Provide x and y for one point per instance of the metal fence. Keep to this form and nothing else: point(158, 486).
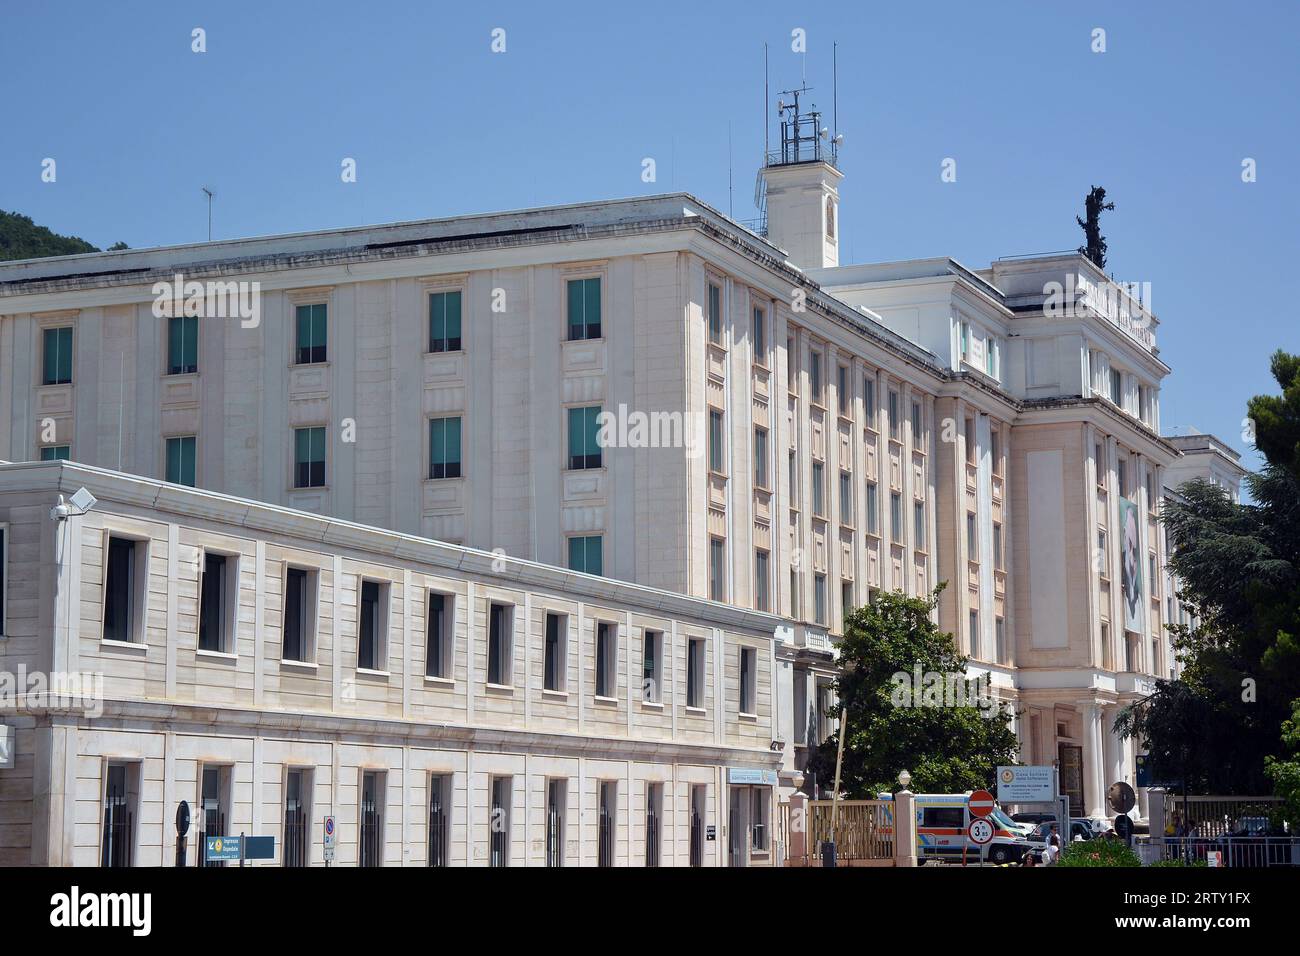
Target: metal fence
point(214, 824)
point(1235, 851)
point(697, 838)
point(294, 852)
point(652, 838)
point(437, 833)
point(369, 835)
point(118, 821)
point(554, 837)
point(606, 847)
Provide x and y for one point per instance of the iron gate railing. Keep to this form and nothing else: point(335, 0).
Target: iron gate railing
point(606, 846)
point(437, 833)
point(697, 838)
point(117, 830)
point(214, 824)
point(554, 837)
point(652, 839)
point(1238, 851)
point(295, 837)
point(369, 835)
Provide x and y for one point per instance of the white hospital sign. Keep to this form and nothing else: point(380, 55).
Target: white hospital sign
point(1026, 785)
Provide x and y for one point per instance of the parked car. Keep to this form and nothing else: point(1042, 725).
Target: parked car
point(1078, 828)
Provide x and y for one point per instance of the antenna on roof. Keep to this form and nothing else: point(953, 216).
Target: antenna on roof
point(766, 99)
point(731, 210)
point(209, 193)
point(835, 91)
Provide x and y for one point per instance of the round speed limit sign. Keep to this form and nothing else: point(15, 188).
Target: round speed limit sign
point(980, 831)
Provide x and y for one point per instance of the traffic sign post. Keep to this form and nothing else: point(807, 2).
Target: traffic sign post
point(331, 840)
point(981, 804)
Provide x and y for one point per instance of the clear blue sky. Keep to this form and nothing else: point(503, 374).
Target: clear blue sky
point(440, 125)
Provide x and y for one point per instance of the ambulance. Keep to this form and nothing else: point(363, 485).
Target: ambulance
point(942, 822)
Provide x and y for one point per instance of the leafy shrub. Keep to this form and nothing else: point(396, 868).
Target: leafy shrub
point(1098, 853)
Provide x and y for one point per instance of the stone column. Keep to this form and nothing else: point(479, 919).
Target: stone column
point(1094, 790)
point(904, 828)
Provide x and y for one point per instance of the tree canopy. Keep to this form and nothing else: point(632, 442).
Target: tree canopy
point(21, 238)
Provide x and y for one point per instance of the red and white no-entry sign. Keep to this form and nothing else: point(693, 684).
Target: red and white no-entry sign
point(981, 803)
point(980, 831)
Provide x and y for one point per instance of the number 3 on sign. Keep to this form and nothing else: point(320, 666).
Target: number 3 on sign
point(980, 830)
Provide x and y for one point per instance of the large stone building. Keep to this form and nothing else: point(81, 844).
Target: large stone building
point(786, 434)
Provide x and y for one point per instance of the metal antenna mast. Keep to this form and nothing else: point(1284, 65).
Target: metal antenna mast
point(209, 193)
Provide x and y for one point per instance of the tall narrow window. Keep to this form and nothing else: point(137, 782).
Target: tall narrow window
point(846, 598)
point(873, 508)
point(311, 333)
point(760, 457)
point(299, 615)
point(500, 626)
point(213, 806)
point(846, 498)
point(182, 344)
point(553, 667)
point(819, 598)
point(556, 791)
point(444, 447)
point(748, 681)
point(916, 423)
point(717, 570)
point(815, 377)
point(918, 525)
point(56, 347)
point(869, 400)
point(1000, 635)
point(444, 321)
point(717, 451)
point(760, 337)
point(123, 591)
point(180, 460)
point(217, 595)
point(970, 442)
point(117, 842)
point(584, 308)
point(715, 314)
point(842, 396)
point(995, 450)
point(372, 627)
point(608, 816)
point(439, 811)
point(762, 580)
point(794, 593)
point(606, 659)
point(894, 432)
point(971, 553)
point(760, 801)
point(370, 829)
point(584, 438)
point(974, 635)
point(1116, 386)
point(438, 635)
point(695, 673)
point(309, 457)
point(818, 489)
point(997, 545)
point(499, 822)
point(654, 800)
point(652, 655)
point(896, 517)
point(586, 554)
point(297, 813)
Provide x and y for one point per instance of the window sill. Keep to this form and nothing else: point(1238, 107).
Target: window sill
point(652, 705)
point(503, 689)
point(606, 701)
point(371, 672)
point(431, 680)
point(695, 711)
point(555, 694)
point(216, 655)
point(748, 717)
point(123, 645)
point(294, 488)
point(324, 364)
point(298, 665)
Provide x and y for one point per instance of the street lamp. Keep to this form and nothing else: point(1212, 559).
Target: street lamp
point(904, 778)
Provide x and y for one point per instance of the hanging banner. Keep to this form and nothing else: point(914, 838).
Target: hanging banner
point(1131, 566)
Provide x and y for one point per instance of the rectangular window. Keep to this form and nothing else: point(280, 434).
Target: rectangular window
point(56, 452)
point(499, 822)
point(869, 400)
point(125, 590)
point(842, 396)
point(309, 457)
point(760, 800)
point(654, 802)
point(1000, 635)
point(715, 314)
point(815, 377)
point(606, 659)
point(372, 626)
point(896, 517)
point(4, 578)
point(748, 681)
point(299, 637)
point(918, 525)
point(762, 581)
point(760, 337)
point(997, 545)
point(439, 811)
point(819, 598)
point(218, 603)
point(916, 423)
point(214, 806)
point(584, 308)
point(964, 333)
point(556, 802)
point(121, 791)
point(1101, 551)
point(794, 480)
point(971, 553)
point(182, 344)
point(584, 438)
point(717, 450)
point(1121, 476)
point(500, 644)
point(586, 554)
point(311, 328)
point(970, 441)
point(974, 635)
point(873, 508)
point(652, 653)
point(608, 820)
point(438, 632)
point(791, 368)
point(995, 451)
point(444, 447)
point(1116, 386)
point(760, 457)
point(57, 356)
point(717, 570)
point(846, 498)
point(695, 673)
point(444, 321)
point(818, 489)
point(297, 816)
point(180, 460)
point(893, 416)
point(794, 593)
point(553, 665)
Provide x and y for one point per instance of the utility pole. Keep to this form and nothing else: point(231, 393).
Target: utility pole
point(209, 193)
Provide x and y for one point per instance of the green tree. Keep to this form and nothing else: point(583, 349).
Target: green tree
point(1285, 774)
point(947, 749)
point(20, 238)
